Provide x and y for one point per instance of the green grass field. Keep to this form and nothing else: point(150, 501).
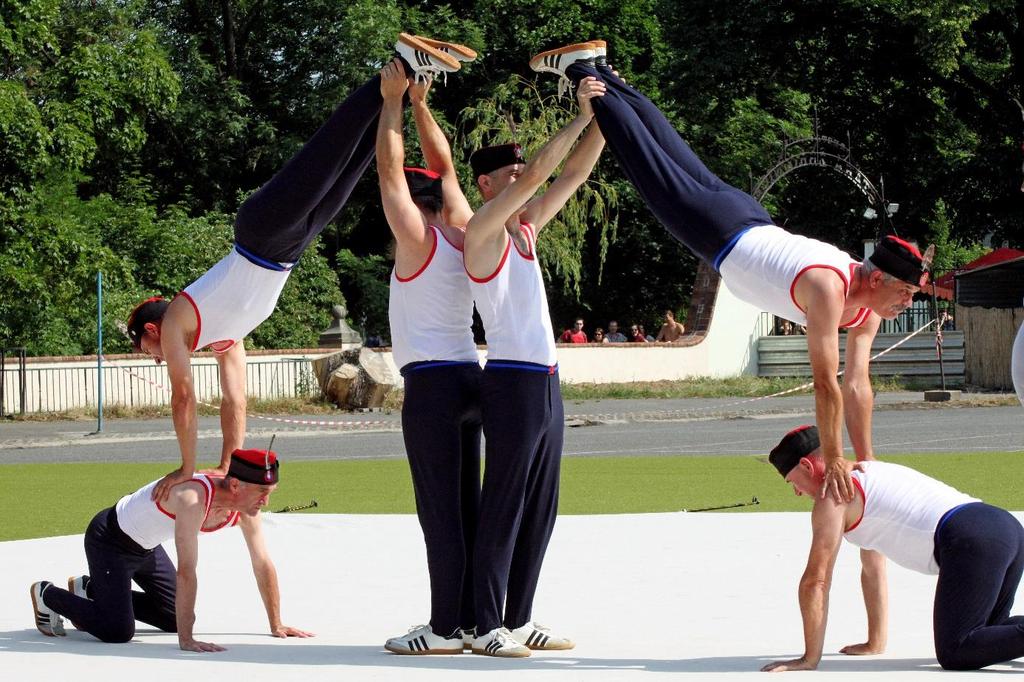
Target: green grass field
point(40, 500)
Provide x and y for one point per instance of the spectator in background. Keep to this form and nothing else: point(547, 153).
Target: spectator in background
point(671, 330)
point(786, 328)
point(643, 332)
point(636, 334)
point(599, 336)
point(949, 324)
point(574, 335)
point(614, 335)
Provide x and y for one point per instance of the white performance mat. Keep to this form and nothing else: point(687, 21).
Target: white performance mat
point(650, 596)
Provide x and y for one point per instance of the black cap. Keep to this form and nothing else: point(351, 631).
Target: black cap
point(423, 182)
point(490, 159)
point(794, 446)
point(254, 466)
point(900, 259)
point(150, 310)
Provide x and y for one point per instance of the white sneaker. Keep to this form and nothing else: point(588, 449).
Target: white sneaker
point(558, 60)
point(78, 585)
point(467, 638)
point(600, 52)
point(499, 642)
point(460, 52)
point(421, 640)
point(48, 621)
point(426, 61)
point(539, 638)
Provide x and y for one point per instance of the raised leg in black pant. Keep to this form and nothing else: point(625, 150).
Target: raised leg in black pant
point(677, 188)
point(280, 220)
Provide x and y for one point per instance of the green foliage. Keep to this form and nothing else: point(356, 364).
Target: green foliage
point(365, 280)
point(518, 112)
point(130, 129)
point(949, 253)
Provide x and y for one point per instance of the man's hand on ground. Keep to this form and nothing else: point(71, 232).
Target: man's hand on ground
point(163, 488)
point(189, 644)
point(783, 666)
point(285, 631)
point(865, 649)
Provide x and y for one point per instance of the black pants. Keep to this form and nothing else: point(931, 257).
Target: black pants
point(980, 550)
point(110, 612)
point(441, 428)
point(523, 423)
point(280, 220)
point(700, 210)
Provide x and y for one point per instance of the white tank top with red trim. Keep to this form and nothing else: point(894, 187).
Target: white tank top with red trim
point(431, 311)
point(234, 297)
point(766, 262)
point(902, 507)
point(149, 524)
point(513, 306)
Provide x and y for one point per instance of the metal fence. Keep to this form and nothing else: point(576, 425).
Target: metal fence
point(910, 320)
point(57, 388)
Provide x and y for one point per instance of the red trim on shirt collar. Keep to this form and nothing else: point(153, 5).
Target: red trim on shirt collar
point(501, 264)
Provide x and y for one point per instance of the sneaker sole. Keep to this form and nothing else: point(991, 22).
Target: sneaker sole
point(484, 652)
point(467, 54)
point(35, 610)
point(419, 44)
point(429, 652)
point(549, 647)
point(537, 63)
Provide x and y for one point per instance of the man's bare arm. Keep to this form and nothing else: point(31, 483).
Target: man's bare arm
point(578, 167)
point(189, 508)
point(876, 601)
point(437, 154)
point(827, 529)
point(485, 233)
point(403, 217)
point(266, 577)
point(822, 294)
point(174, 344)
point(232, 403)
point(858, 398)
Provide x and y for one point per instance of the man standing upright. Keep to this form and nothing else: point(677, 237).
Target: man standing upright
point(431, 311)
point(521, 402)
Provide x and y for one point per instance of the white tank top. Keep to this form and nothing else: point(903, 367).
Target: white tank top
point(149, 524)
point(763, 267)
point(431, 311)
point(232, 299)
point(513, 305)
point(902, 508)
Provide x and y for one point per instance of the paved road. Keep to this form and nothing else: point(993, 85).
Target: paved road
point(902, 423)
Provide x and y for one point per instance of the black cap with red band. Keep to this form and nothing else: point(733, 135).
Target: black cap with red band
point(794, 446)
point(490, 159)
point(254, 466)
point(901, 259)
point(423, 182)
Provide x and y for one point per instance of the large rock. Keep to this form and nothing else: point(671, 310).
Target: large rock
point(325, 365)
point(339, 384)
point(374, 382)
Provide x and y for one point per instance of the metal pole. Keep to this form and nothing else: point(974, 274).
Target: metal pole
point(99, 352)
point(938, 327)
point(3, 366)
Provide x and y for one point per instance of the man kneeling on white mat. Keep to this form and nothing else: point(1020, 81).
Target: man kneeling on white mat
point(122, 544)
